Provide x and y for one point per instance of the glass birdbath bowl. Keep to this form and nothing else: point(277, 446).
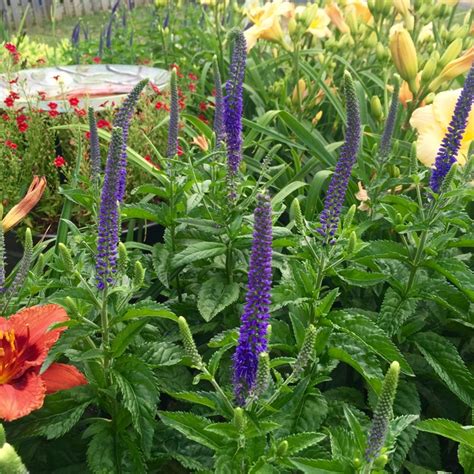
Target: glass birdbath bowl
point(95, 85)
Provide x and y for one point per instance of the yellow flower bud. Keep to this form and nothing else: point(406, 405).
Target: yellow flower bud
point(299, 92)
point(380, 51)
point(452, 52)
point(454, 68)
point(404, 53)
point(402, 7)
point(372, 40)
point(429, 70)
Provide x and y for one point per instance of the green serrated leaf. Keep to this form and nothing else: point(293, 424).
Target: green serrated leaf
point(361, 278)
point(200, 398)
point(300, 441)
point(319, 466)
point(395, 311)
point(449, 429)
point(445, 360)
point(215, 295)
point(198, 251)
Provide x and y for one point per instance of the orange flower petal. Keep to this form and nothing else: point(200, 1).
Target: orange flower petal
point(22, 396)
point(31, 324)
point(62, 377)
point(20, 211)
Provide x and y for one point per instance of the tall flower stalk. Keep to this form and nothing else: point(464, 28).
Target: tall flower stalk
point(94, 145)
point(451, 142)
point(387, 135)
point(256, 314)
point(336, 193)
point(108, 230)
point(172, 149)
point(122, 120)
point(2, 254)
point(219, 125)
point(233, 105)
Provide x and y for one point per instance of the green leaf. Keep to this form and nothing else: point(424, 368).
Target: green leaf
point(215, 295)
point(146, 211)
point(286, 191)
point(449, 429)
point(201, 398)
point(319, 466)
point(125, 337)
point(466, 457)
point(300, 441)
point(395, 311)
point(385, 249)
point(193, 427)
point(101, 450)
point(355, 428)
point(198, 251)
point(445, 360)
point(161, 354)
point(361, 278)
point(150, 310)
point(366, 332)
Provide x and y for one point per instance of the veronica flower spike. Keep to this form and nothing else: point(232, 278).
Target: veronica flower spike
point(451, 142)
point(254, 321)
point(337, 189)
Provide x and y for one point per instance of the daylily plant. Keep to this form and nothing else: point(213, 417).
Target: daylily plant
point(25, 340)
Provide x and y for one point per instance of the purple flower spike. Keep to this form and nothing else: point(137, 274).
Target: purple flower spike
point(254, 320)
point(451, 143)
point(219, 125)
point(386, 140)
point(122, 120)
point(94, 144)
point(336, 192)
point(173, 126)
point(233, 103)
point(108, 229)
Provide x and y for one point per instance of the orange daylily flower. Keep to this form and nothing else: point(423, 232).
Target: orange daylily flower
point(336, 17)
point(201, 142)
point(20, 211)
point(454, 68)
point(24, 345)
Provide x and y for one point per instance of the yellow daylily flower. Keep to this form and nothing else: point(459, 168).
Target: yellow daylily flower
point(270, 22)
point(319, 24)
point(454, 68)
point(431, 123)
point(20, 211)
point(426, 33)
point(360, 9)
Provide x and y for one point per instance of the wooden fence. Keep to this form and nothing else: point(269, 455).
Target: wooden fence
point(12, 11)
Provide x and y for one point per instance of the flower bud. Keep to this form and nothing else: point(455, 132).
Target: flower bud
point(402, 7)
point(376, 108)
point(352, 243)
point(263, 375)
point(188, 342)
point(299, 92)
point(451, 53)
point(381, 461)
point(351, 20)
point(349, 217)
point(404, 54)
point(380, 51)
point(10, 462)
point(295, 211)
point(454, 68)
point(282, 449)
point(66, 258)
point(239, 419)
point(429, 70)
point(122, 260)
point(372, 40)
point(306, 351)
point(138, 275)
point(430, 98)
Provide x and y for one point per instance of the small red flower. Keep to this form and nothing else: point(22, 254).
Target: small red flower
point(9, 101)
point(155, 88)
point(53, 113)
point(5, 117)
point(180, 150)
point(10, 47)
point(73, 101)
point(53, 105)
point(192, 76)
point(181, 104)
point(11, 145)
point(203, 106)
point(22, 127)
point(42, 95)
point(97, 59)
point(203, 118)
point(14, 81)
point(80, 112)
point(103, 124)
point(59, 161)
point(88, 135)
point(192, 87)
point(159, 105)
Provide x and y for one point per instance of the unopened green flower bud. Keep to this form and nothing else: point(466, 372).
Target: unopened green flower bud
point(429, 70)
point(138, 275)
point(380, 52)
point(383, 413)
point(352, 243)
point(451, 53)
point(351, 20)
point(381, 461)
point(295, 211)
point(306, 351)
point(188, 342)
point(66, 258)
point(461, 32)
point(263, 375)
point(282, 449)
point(40, 263)
point(376, 108)
point(239, 419)
point(449, 178)
point(394, 171)
point(372, 40)
point(10, 462)
point(398, 218)
point(122, 260)
point(349, 217)
point(2, 436)
point(357, 462)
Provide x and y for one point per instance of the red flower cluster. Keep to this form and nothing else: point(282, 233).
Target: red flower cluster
point(10, 100)
point(97, 59)
point(21, 122)
point(104, 124)
point(59, 161)
point(11, 145)
point(53, 112)
point(73, 101)
point(11, 48)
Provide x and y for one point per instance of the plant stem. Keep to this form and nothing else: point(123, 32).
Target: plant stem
point(218, 388)
point(104, 320)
